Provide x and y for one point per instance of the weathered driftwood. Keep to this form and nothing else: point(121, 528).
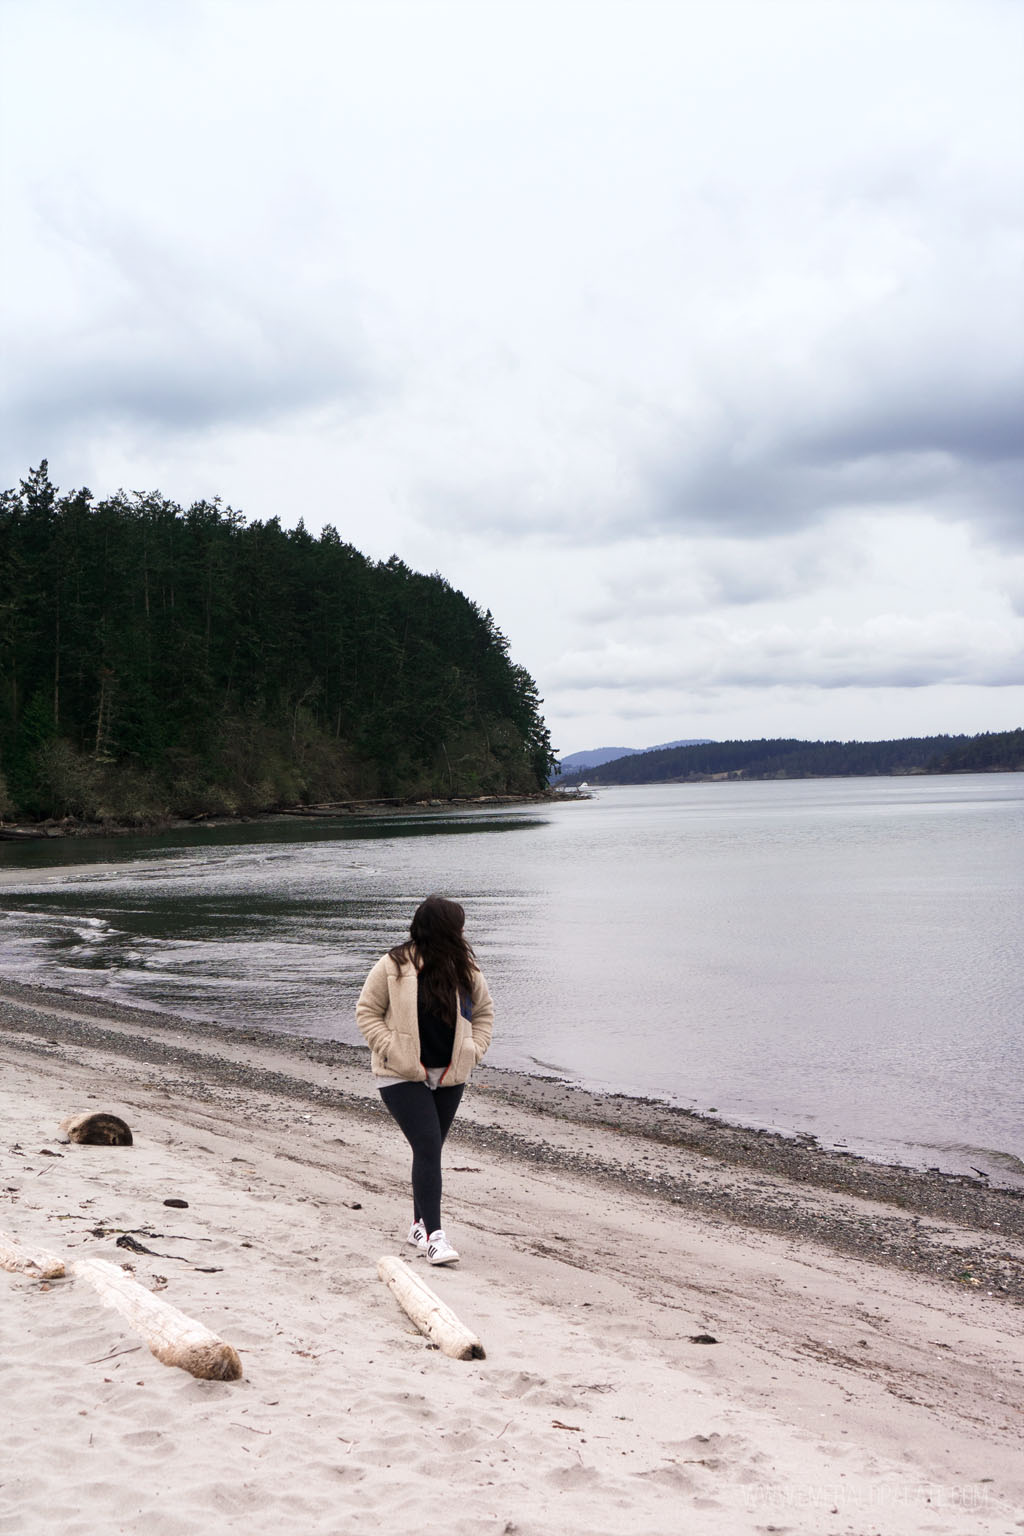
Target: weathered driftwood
point(97, 1130)
point(173, 1338)
point(36, 1262)
point(426, 1309)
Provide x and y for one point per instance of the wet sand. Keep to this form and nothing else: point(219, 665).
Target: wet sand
point(759, 1179)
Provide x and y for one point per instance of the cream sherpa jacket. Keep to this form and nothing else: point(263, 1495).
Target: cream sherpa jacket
point(387, 1017)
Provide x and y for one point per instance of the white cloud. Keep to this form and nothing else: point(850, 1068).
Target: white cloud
point(683, 335)
point(885, 651)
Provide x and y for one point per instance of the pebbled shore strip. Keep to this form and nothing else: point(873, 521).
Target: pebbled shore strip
point(757, 1179)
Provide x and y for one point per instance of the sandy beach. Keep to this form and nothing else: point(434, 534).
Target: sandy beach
point(866, 1374)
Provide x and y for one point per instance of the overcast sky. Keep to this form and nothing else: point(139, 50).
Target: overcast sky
point(687, 337)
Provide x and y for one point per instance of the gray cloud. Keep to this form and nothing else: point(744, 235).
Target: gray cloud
point(961, 455)
point(672, 579)
point(171, 338)
point(971, 426)
point(890, 651)
point(764, 467)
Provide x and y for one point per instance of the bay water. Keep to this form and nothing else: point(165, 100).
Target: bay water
point(836, 957)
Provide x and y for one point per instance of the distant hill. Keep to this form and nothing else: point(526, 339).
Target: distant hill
point(576, 761)
point(989, 752)
point(594, 757)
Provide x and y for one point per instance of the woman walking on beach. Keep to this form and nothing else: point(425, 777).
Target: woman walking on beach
point(426, 1014)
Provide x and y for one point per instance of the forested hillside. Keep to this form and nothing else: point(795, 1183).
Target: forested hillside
point(160, 661)
point(788, 759)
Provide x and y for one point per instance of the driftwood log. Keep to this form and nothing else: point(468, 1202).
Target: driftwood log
point(97, 1130)
point(36, 1262)
point(173, 1338)
point(426, 1309)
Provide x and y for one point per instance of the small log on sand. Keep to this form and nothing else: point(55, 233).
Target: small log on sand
point(174, 1338)
point(36, 1262)
point(428, 1311)
point(97, 1130)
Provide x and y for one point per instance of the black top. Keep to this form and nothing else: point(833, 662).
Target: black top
point(436, 1035)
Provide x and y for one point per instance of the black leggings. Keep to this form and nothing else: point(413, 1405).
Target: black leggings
point(425, 1116)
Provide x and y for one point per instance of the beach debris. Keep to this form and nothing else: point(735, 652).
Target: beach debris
point(172, 1337)
point(174, 1237)
point(97, 1130)
point(425, 1308)
point(179, 1205)
point(35, 1262)
point(577, 1429)
point(132, 1349)
point(127, 1241)
point(703, 1338)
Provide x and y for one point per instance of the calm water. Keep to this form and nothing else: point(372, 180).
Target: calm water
point(841, 957)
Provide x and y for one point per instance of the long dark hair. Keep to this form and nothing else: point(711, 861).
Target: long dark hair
point(437, 947)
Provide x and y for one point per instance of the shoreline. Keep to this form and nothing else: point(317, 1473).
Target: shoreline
point(51, 829)
point(686, 1326)
point(558, 793)
point(758, 1178)
point(968, 1138)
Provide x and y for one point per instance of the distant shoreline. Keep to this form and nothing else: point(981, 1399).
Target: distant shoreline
point(556, 794)
point(340, 810)
point(71, 827)
point(792, 758)
point(739, 777)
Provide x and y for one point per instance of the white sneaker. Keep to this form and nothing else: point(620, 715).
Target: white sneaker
point(440, 1250)
point(417, 1235)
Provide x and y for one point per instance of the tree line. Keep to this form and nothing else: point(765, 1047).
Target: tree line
point(158, 660)
point(793, 759)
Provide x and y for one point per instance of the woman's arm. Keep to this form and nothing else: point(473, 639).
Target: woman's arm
point(482, 1023)
point(372, 1007)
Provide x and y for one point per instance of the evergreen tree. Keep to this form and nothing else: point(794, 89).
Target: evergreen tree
point(156, 659)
